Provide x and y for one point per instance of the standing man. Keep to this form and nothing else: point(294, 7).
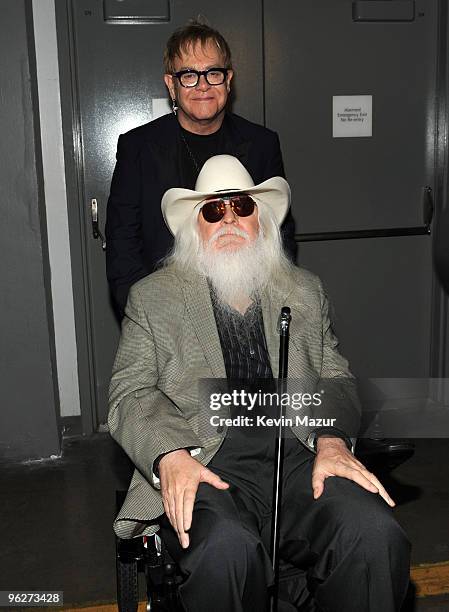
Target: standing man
point(170, 151)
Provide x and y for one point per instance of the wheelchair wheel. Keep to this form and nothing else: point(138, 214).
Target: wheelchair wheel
point(127, 586)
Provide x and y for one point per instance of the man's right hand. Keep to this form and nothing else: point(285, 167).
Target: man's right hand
point(180, 475)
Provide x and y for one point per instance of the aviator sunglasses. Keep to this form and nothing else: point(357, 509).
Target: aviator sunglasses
point(242, 205)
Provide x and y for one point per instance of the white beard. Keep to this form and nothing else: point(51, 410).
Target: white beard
point(236, 275)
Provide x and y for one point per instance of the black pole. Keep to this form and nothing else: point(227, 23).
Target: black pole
point(284, 325)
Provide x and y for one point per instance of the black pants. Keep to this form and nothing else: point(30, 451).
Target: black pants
point(341, 553)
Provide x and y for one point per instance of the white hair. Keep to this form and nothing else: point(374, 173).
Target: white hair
point(261, 265)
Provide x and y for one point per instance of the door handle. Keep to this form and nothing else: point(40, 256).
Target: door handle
point(95, 228)
point(389, 232)
point(427, 207)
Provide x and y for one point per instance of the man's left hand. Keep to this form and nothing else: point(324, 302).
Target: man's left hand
point(334, 459)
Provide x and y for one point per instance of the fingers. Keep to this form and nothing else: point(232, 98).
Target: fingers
point(179, 476)
point(189, 501)
point(355, 474)
point(352, 470)
point(184, 516)
point(182, 509)
point(365, 479)
point(175, 511)
point(317, 486)
point(381, 489)
point(179, 487)
point(185, 501)
point(213, 479)
point(169, 507)
point(179, 506)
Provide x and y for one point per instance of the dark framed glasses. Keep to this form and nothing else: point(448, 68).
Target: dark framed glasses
point(190, 77)
point(213, 209)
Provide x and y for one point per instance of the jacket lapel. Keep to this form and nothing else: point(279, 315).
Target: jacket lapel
point(233, 143)
point(271, 310)
point(165, 148)
point(270, 313)
point(199, 307)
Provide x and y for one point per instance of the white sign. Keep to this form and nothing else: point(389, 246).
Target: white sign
point(352, 116)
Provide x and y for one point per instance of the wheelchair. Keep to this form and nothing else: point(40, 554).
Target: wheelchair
point(149, 556)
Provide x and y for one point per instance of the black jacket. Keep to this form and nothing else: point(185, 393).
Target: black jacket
point(149, 163)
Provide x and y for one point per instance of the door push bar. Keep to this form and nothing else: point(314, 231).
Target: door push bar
point(95, 228)
point(425, 229)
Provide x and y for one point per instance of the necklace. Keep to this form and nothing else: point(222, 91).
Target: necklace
point(189, 151)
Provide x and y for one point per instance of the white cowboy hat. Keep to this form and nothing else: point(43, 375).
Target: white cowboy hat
point(223, 174)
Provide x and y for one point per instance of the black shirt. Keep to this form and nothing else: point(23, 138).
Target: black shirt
point(243, 343)
point(195, 150)
point(246, 457)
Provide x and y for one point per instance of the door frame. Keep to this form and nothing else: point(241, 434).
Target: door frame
point(74, 170)
point(439, 348)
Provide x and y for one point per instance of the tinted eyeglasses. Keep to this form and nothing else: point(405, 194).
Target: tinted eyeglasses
point(190, 77)
point(213, 210)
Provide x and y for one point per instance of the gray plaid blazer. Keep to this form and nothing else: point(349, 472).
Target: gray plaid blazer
point(170, 340)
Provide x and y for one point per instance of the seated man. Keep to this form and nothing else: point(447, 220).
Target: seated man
point(211, 313)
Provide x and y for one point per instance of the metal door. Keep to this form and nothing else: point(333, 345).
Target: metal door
point(360, 201)
point(118, 77)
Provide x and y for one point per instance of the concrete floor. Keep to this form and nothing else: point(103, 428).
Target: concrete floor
point(56, 517)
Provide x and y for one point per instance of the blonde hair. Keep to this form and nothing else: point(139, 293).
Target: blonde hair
point(187, 36)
